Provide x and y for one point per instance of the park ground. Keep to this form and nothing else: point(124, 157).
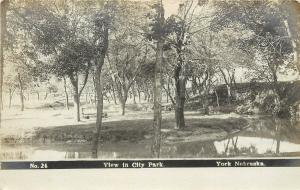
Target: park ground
point(46, 124)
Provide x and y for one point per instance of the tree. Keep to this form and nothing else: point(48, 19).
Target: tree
point(58, 43)
point(182, 27)
point(290, 14)
point(158, 32)
point(125, 64)
point(270, 42)
point(102, 22)
point(21, 76)
point(3, 10)
point(128, 49)
point(10, 84)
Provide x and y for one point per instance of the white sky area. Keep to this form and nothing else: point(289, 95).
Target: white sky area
point(171, 6)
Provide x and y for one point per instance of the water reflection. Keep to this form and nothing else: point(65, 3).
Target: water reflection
point(267, 137)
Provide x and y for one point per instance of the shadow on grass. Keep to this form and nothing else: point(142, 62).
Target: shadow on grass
point(132, 130)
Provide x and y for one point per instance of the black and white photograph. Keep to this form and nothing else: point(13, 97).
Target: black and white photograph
point(149, 79)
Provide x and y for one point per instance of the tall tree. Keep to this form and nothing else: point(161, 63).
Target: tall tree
point(60, 43)
point(182, 27)
point(102, 22)
point(270, 39)
point(3, 10)
point(158, 33)
point(124, 66)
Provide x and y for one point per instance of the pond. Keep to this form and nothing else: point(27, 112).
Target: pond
point(267, 137)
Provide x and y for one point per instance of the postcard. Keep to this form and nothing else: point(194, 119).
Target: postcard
point(119, 84)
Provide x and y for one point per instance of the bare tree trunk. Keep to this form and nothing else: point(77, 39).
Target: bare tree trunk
point(46, 95)
point(76, 96)
point(99, 88)
point(167, 98)
point(217, 96)
point(227, 82)
point(277, 129)
point(123, 104)
point(21, 92)
point(99, 102)
point(38, 95)
point(133, 93)
point(169, 95)
point(94, 83)
point(66, 94)
point(110, 94)
point(114, 94)
point(228, 94)
point(145, 96)
point(77, 93)
point(76, 102)
point(3, 10)
point(157, 88)
point(123, 100)
point(180, 98)
point(194, 86)
point(11, 93)
point(148, 96)
point(139, 94)
point(179, 111)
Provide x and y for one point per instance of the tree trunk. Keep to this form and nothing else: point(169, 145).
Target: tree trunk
point(277, 129)
point(167, 98)
point(94, 83)
point(99, 88)
point(145, 96)
point(123, 104)
point(99, 103)
point(38, 96)
point(46, 95)
point(76, 100)
point(180, 99)
point(122, 96)
point(179, 112)
point(77, 93)
point(217, 96)
point(228, 94)
point(134, 95)
point(11, 93)
point(3, 10)
point(21, 92)
point(114, 95)
point(157, 88)
point(123, 100)
point(66, 94)
point(139, 95)
point(194, 86)
point(133, 88)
